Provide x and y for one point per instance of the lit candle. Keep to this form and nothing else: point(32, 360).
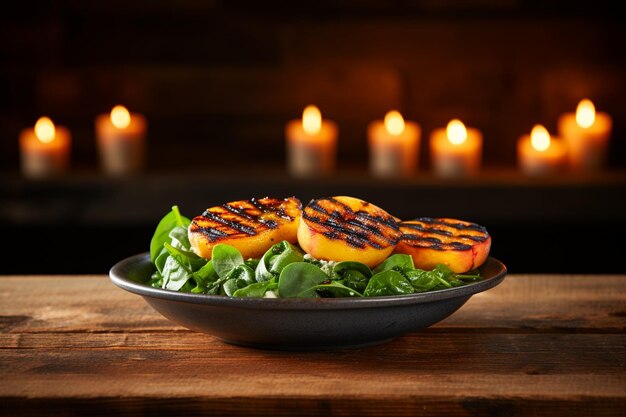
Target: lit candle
point(311, 144)
point(121, 140)
point(44, 149)
point(586, 134)
point(539, 154)
point(393, 145)
point(456, 150)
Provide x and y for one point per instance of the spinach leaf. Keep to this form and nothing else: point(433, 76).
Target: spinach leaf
point(161, 234)
point(354, 275)
point(469, 276)
point(225, 258)
point(422, 280)
point(175, 274)
point(300, 279)
point(159, 263)
point(341, 268)
point(186, 257)
point(355, 280)
point(179, 238)
point(256, 289)
point(276, 259)
point(444, 272)
point(252, 263)
point(337, 289)
point(388, 283)
point(396, 262)
point(238, 278)
point(205, 278)
point(438, 278)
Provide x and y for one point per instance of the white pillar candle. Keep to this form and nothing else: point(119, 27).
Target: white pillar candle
point(121, 138)
point(456, 151)
point(539, 154)
point(393, 146)
point(311, 144)
point(44, 149)
point(587, 134)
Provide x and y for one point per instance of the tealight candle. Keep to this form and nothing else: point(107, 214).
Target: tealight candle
point(311, 144)
point(393, 145)
point(121, 137)
point(587, 135)
point(44, 149)
point(539, 154)
point(456, 150)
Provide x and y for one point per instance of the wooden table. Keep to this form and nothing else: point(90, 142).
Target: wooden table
point(535, 345)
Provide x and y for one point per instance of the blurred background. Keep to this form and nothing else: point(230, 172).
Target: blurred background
point(217, 82)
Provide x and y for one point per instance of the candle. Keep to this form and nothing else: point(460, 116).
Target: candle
point(393, 145)
point(121, 140)
point(44, 149)
point(539, 154)
point(587, 135)
point(311, 144)
point(456, 150)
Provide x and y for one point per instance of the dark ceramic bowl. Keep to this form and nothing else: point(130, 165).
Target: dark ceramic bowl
point(301, 323)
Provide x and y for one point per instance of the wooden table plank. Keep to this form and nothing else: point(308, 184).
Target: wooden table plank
point(535, 345)
point(520, 303)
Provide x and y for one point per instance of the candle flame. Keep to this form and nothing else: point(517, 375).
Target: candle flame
point(312, 120)
point(456, 132)
point(394, 123)
point(585, 113)
point(120, 117)
point(540, 138)
point(44, 130)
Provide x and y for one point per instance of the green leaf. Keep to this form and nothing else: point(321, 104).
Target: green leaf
point(256, 289)
point(179, 238)
point(159, 263)
point(161, 234)
point(225, 258)
point(388, 283)
point(422, 280)
point(252, 263)
point(275, 259)
point(175, 274)
point(206, 274)
point(397, 262)
point(204, 277)
point(341, 268)
point(354, 275)
point(300, 279)
point(240, 277)
point(337, 289)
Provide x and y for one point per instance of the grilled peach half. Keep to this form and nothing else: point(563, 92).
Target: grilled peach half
point(252, 226)
point(460, 245)
point(347, 229)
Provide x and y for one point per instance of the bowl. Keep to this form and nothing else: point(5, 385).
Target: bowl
point(301, 323)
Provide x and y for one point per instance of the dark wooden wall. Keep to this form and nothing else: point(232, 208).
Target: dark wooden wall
point(217, 81)
point(222, 78)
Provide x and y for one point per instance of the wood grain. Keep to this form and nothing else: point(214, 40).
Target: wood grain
point(523, 303)
point(535, 345)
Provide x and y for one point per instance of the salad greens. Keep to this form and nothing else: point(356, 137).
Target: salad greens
point(283, 271)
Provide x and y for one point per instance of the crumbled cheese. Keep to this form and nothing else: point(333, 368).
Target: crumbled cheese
point(325, 266)
point(270, 294)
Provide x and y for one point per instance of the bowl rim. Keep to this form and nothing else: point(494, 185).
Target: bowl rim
point(118, 274)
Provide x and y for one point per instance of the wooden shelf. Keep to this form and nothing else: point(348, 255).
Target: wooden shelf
point(501, 196)
point(562, 224)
